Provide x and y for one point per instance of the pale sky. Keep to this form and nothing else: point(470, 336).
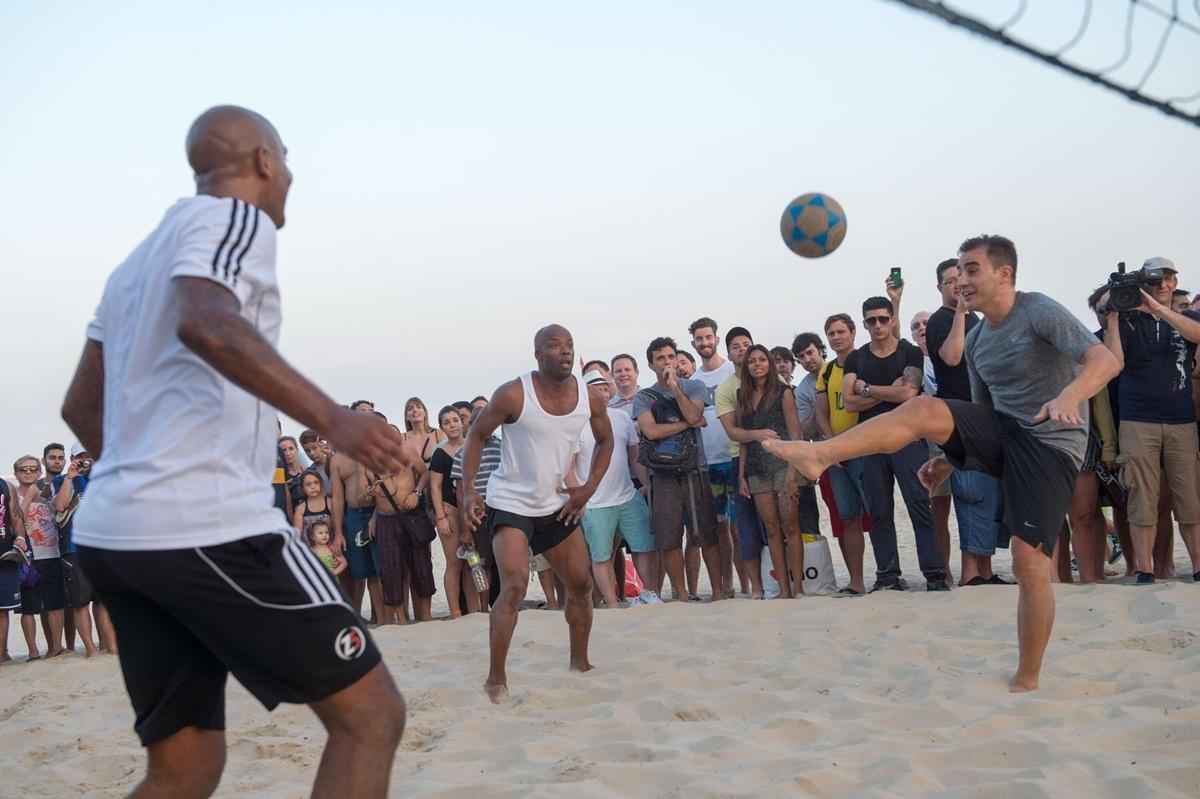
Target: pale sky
point(466, 174)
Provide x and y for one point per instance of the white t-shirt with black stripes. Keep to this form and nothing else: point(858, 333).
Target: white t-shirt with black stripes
point(188, 456)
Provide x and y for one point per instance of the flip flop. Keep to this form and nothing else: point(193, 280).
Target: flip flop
point(996, 579)
point(847, 593)
point(977, 580)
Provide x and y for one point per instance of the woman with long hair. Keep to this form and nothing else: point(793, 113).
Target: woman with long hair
point(422, 440)
point(444, 497)
point(764, 402)
point(293, 468)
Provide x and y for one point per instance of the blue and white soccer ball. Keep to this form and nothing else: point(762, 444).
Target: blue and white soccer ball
point(813, 225)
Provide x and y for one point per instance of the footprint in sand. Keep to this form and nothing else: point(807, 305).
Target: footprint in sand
point(1167, 643)
point(695, 714)
point(422, 739)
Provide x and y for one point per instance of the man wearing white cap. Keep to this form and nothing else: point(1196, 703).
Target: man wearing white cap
point(1158, 434)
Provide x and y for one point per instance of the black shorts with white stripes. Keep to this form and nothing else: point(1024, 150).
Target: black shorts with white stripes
point(262, 608)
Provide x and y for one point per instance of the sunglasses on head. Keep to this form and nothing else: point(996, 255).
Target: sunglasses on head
point(871, 321)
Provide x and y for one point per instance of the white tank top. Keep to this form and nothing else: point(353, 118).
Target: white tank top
point(535, 453)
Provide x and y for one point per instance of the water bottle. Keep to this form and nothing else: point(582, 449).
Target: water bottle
point(475, 563)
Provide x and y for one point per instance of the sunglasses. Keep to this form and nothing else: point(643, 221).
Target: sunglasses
point(29, 469)
point(872, 321)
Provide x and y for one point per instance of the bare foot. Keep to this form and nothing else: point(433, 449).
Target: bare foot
point(585, 666)
point(804, 455)
point(1020, 685)
point(53, 653)
point(456, 614)
point(6, 658)
point(756, 595)
point(32, 658)
point(497, 692)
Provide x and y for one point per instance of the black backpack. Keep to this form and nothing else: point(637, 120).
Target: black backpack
point(675, 455)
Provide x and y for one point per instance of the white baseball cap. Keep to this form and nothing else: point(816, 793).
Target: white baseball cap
point(77, 449)
point(1160, 263)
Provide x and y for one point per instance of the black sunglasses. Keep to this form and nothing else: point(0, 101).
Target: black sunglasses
point(871, 321)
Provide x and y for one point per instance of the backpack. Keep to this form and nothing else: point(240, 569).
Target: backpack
point(677, 454)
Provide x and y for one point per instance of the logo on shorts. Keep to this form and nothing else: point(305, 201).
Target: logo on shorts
point(350, 643)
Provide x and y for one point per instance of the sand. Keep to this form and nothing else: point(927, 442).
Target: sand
point(886, 696)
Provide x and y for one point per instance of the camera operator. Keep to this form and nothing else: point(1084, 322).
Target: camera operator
point(1158, 436)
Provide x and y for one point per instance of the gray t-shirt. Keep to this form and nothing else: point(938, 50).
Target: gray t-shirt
point(692, 389)
point(806, 407)
point(1027, 360)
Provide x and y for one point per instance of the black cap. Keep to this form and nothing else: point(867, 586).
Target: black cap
point(736, 331)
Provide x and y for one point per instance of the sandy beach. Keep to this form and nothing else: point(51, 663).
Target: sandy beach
point(886, 696)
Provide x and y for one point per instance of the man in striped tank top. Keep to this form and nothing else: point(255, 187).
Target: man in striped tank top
point(528, 506)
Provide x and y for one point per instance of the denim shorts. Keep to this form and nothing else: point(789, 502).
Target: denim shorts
point(848, 492)
point(979, 508)
point(603, 527)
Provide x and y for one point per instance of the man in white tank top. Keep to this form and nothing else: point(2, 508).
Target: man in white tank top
point(528, 506)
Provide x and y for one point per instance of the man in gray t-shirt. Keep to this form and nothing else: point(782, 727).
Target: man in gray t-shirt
point(1033, 368)
point(1025, 361)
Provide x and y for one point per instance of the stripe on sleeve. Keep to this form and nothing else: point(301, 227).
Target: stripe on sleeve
point(246, 248)
point(238, 240)
point(225, 239)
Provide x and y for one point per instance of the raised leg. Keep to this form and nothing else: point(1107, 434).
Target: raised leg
point(921, 417)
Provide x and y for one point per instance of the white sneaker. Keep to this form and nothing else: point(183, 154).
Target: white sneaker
point(651, 598)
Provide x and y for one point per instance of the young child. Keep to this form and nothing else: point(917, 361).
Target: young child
point(318, 541)
point(314, 508)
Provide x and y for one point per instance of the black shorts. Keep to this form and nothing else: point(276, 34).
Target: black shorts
point(76, 585)
point(543, 532)
point(49, 593)
point(262, 608)
point(1036, 480)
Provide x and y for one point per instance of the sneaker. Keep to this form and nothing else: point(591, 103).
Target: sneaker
point(650, 598)
point(897, 585)
point(1144, 578)
point(937, 585)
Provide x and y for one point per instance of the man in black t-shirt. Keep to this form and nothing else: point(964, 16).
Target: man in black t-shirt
point(879, 376)
point(1158, 422)
point(976, 495)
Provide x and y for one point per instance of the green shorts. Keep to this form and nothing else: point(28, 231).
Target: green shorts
point(603, 527)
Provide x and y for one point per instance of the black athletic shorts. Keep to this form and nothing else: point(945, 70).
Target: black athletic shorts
point(1036, 480)
point(76, 585)
point(543, 532)
point(49, 593)
point(262, 608)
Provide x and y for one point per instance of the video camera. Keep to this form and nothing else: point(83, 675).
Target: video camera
point(1125, 288)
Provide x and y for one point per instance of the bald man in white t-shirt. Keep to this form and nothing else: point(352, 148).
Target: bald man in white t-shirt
point(175, 396)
